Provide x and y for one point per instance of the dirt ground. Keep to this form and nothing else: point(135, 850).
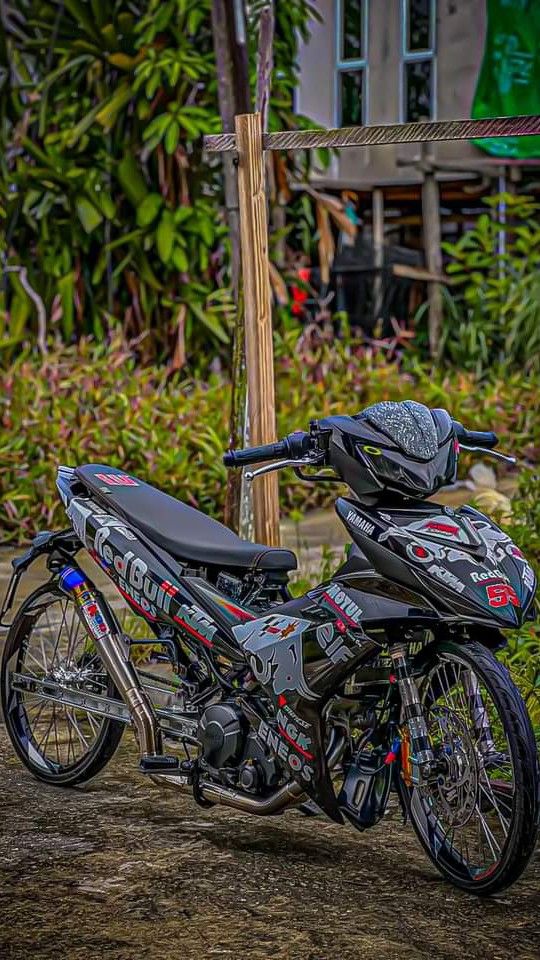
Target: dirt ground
point(122, 870)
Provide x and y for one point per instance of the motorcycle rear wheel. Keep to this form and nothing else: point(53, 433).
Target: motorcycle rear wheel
point(479, 823)
point(48, 639)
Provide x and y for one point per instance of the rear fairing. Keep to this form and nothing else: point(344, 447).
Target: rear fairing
point(151, 582)
point(459, 559)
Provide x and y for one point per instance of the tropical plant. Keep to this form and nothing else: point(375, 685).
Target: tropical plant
point(495, 316)
point(111, 216)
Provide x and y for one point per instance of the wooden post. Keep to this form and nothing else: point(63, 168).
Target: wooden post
point(234, 97)
point(258, 316)
point(377, 208)
point(431, 220)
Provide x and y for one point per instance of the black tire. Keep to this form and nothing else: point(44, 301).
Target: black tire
point(515, 805)
point(78, 763)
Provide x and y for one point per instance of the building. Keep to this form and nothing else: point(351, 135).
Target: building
point(391, 61)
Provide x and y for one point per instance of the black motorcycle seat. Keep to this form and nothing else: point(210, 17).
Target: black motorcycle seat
point(182, 531)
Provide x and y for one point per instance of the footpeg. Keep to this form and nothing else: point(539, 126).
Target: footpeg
point(158, 763)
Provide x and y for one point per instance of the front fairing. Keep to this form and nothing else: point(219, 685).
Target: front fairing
point(460, 559)
point(372, 463)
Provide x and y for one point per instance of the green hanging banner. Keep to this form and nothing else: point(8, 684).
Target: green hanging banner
point(509, 80)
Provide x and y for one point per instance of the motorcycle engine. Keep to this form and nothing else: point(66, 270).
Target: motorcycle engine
point(222, 734)
point(233, 753)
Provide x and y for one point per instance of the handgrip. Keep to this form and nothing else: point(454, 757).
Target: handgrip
point(293, 447)
point(475, 438)
point(269, 451)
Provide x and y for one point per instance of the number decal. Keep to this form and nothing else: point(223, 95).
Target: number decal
point(501, 594)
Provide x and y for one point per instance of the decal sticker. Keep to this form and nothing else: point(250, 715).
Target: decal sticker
point(498, 544)
point(434, 529)
point(334, 648)
point(374, 451)
point(501, 594)
point(337, 600)
point(291, 731)
point(78, 513)
point(106, 523)
point(273, 741)
point(134, 583)
point(428, 550)
point(446, 577)
point(94, 619)
point(117, 479)
point(357, 521)
point(197, 623)
point(528, 577)
point(483, 575)
point(274, 644)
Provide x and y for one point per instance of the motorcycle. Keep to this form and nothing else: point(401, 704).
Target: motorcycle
point(382, 680)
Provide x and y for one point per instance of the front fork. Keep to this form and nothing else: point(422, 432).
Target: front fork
point(420, 757)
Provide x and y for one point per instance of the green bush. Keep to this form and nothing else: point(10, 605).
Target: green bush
point(86, 404)
point(523, 655)
point(494, 318)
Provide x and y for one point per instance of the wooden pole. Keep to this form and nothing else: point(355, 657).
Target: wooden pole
point(230, 48)
point(431, 220)
point(258, 316)
point(377, 201)
point(265, 64)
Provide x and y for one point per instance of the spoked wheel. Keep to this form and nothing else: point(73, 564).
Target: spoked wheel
point(48, 640)
point(478, 816)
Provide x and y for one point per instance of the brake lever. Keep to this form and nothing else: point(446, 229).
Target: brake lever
point(250, 475)
point(489, 453)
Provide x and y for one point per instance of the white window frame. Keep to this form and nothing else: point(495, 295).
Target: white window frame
point(359, 64)
point(418, 56)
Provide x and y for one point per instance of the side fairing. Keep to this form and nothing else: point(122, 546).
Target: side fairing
point(300, 654)
point(303, 651)
point(460, 558)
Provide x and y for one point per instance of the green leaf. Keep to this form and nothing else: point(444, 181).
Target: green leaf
point(180, 260)
point(209, 321)
point(165, 236)
point(131, 179)
point(172, 137)
point(65, 289)
point(149, 209)
point(88, 215)
point(109, 112)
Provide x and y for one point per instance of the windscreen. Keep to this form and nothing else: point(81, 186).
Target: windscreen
point(409, 424)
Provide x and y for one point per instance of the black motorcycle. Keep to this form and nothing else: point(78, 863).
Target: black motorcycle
point(382, 679)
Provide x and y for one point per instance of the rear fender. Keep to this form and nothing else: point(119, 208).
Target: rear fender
point(59, 546)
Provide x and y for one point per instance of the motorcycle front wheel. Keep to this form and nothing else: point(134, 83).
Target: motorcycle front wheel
point(478, 817)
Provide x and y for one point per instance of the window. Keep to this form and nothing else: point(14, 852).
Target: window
point(351, 62)
point(418, 76)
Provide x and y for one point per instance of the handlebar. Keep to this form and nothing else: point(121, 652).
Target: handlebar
point(293, 447)
point(299, 445)
point(475, 438)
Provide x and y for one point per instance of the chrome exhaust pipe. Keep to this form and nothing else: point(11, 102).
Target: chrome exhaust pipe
point(290, 794)
point(114, 655)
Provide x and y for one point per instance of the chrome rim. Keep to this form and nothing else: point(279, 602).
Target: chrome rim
point(57, 647)
point(468, 807)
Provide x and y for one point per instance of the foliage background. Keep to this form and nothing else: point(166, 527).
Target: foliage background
point(109, 206)
point(88, 403)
